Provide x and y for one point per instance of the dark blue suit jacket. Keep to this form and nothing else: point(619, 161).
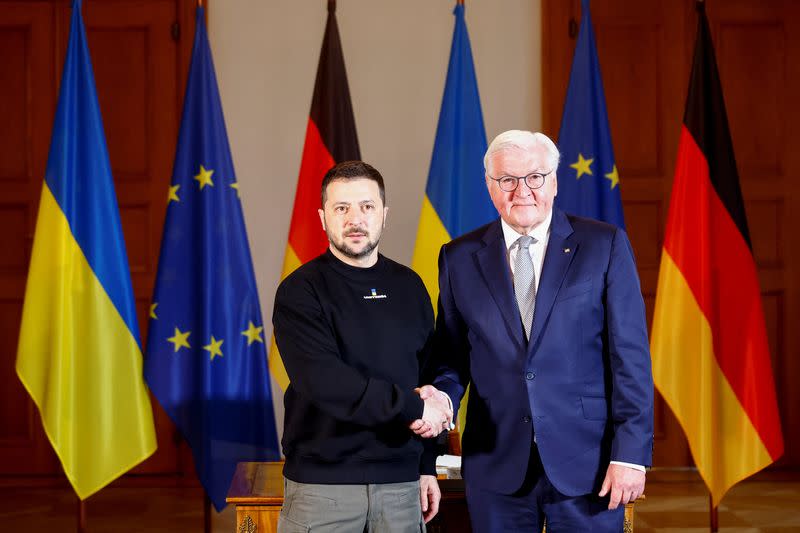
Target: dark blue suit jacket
point(583, 381)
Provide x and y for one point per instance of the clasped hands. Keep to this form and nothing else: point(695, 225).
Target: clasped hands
point(437, 414)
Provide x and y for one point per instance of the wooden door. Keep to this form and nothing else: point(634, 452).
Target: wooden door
point(27, 106)
point(645, 53)
point(140, 51)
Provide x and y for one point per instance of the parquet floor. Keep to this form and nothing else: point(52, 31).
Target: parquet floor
point(672, 506)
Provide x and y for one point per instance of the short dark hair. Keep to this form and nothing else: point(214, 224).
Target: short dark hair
point(352, 170)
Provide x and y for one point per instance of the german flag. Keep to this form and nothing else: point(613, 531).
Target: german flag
point(709, 346)
point(330, 138)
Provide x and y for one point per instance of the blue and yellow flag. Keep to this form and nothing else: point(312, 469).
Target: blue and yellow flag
point(456, 200)
point(79, 354)
point(588, 181)
point(206, 361)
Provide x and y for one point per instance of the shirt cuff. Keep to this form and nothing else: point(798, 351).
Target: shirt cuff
point(452, 425)
point(630, 465)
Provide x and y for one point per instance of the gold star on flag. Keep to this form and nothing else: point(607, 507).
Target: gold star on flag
point(173, 193)
point(214, 347)
point(582, 166)
point(235, 185)
point(180, 339)
point(153, 310)
point(613, 176)
point(204, 178)
point(253, 333)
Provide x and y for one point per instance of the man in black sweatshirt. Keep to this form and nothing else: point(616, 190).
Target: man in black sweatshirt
point(353, 329)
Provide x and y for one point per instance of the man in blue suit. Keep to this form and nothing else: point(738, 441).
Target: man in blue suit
point(542, 313)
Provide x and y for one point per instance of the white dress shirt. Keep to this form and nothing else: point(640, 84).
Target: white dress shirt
point(541, 236)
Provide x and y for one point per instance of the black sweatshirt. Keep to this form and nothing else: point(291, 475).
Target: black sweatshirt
point(353, 341)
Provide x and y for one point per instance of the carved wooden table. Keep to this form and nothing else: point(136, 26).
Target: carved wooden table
point(257, 493)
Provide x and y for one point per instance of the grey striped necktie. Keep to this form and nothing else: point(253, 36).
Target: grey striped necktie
point(524, 285)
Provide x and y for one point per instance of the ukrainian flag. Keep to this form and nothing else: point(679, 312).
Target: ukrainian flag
point(456, 200)
point(79, 355)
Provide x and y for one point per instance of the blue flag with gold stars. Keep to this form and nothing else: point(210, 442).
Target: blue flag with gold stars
point(206, 361)
point(588, 181)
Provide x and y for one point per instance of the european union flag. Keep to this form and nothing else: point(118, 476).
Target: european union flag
point(206, 361)
point(588, 182)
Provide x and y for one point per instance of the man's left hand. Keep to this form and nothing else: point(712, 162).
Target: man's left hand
point(429, 496)
point(625, 484)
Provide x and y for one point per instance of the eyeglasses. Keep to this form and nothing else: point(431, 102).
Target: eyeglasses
point(534, 180)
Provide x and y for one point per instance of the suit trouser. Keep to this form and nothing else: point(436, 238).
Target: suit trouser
point(526, 509)
point(376, 508)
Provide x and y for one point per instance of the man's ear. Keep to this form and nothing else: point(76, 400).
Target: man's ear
point(322, 219)
point(385, 214)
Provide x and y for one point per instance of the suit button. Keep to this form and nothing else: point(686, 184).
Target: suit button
point(526, 419)
point(530, 375)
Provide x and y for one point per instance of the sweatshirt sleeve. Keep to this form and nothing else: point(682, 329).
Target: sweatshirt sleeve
point(431, 448)
point(307, 345)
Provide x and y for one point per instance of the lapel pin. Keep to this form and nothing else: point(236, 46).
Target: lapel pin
point(567, 250)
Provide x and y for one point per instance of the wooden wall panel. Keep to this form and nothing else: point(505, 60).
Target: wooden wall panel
point(630, 60)
point(757, 47)
point(27, 104)
point(752, 63)
point(14, 79)
point(140, 70)
point(645, 51)
point(121, 54)
point(136, 223)
point(14, 409)
point(14, 256)
point(765, 222)
point(646, 233)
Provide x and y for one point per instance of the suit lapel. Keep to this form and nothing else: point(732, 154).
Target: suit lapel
point(561, 248)
point(496, 272)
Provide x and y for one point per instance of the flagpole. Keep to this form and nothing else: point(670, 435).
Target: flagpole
point(81, 516)
point(206, 499)
point(206, 512)
point(713, 515)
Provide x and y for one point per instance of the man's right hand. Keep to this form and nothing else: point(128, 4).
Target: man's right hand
point(437, 414)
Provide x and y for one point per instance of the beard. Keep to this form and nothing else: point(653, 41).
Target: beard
point(348, 251)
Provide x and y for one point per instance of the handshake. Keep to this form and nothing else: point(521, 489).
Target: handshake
point(437, 414)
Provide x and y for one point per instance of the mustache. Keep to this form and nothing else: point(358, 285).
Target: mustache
point(351, 231)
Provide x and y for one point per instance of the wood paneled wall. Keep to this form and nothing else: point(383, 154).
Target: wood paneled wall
point(645, 51)
point(140, 51)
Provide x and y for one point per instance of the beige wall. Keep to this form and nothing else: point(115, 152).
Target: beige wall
point(396, 55)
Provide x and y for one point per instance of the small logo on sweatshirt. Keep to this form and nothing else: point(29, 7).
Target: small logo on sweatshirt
point(374, 295)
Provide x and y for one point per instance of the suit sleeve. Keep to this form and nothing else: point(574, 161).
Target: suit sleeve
point(449, 367)
point(631, 373)
point(308, 348)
